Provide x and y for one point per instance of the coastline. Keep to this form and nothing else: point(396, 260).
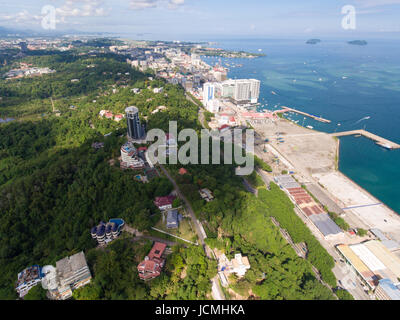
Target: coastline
point(369, 210)
point(315, 157)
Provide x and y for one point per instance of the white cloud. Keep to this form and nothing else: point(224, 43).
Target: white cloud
point(82, 8)
point(67, 9)
point(376, 3)
point(21, 17)
point(145, 4)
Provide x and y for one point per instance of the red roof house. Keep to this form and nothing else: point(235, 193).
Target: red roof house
point(164, 202)
point(224, 128)
point(153, 263)
point(182, 171)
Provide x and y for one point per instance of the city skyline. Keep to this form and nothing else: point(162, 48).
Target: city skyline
point(199, 20)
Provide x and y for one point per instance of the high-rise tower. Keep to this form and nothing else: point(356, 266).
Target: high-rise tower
point(135, 130)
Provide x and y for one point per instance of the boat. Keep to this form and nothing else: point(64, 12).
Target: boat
point(273, 92)
point(310, 127)
point(386, 146)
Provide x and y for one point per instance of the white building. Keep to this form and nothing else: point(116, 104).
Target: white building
point(238, 265)
point(208, 92)
point(209, 99)
point(129, 157)
point(240, 90)
point(72, 273)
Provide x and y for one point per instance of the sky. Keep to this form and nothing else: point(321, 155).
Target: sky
point(211, 19)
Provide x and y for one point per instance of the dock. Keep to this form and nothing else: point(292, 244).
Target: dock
point(287, 109)
point(378, 140)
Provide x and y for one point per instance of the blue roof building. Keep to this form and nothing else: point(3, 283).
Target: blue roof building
point(173, 219)
point(387, 290)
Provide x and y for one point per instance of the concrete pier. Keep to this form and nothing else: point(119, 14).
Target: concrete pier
point(287, 109)
point(379, 140)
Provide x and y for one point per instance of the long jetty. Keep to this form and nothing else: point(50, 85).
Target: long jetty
point(378, 140)
point(287, 109)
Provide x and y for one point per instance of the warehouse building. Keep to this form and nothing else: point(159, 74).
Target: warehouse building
point(310, 208)
point(372, 262)
point(387, 290)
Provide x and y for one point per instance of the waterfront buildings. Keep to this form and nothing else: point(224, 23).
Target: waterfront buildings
point(209, 101)
point(312, 210)
point(387, 290)
point(240, 92)
point(208, 92)
point(372, 262)
point(153, 263)
point(135, 130)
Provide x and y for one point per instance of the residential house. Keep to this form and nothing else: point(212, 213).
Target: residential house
point(164, 203)
point(153, 263)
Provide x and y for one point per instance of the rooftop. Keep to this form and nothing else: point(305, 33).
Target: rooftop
point(69, 265)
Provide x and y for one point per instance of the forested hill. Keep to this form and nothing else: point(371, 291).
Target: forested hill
point(54, 187)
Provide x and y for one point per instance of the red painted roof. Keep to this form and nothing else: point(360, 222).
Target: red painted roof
point(157, 250)
point(164, 201)
point(223, 127)
point(182, 171)
point(153, 263)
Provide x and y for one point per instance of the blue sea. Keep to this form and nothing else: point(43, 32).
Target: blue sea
point(356, 87)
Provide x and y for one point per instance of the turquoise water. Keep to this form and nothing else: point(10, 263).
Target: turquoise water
point(356, 87)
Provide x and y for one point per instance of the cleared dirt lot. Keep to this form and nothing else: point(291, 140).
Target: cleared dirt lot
point(309, 151)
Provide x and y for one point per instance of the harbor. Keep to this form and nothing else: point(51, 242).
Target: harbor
point(385, 143)
point(287, 109)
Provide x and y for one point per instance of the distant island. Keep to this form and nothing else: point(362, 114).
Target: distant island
point(313, 41)
point(358, 42)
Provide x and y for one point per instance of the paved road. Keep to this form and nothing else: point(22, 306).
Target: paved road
point(215, 282)
point(155, 239)
point(196, 223)
point(249, 188)
point(264, 177)
point(341, 273)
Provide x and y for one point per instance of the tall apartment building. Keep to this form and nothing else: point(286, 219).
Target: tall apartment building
point(72, 273)
point(208, 92)
point(135, 129)
point(240, 90)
